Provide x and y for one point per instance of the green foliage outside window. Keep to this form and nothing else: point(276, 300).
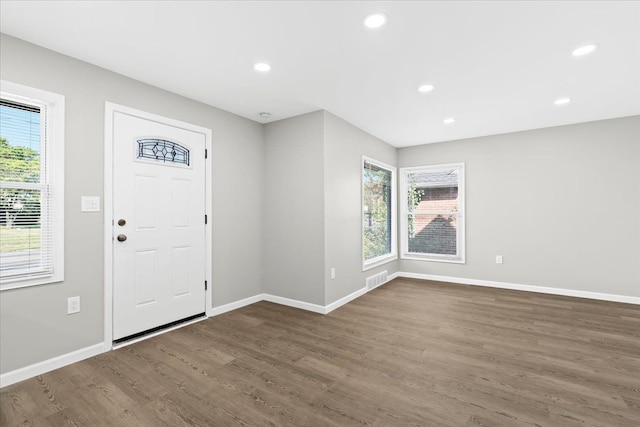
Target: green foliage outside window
point(377, 211)
point(18, 164)
point(414, 195)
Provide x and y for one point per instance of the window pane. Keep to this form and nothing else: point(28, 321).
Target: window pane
point(19, 143)
point(20, 232)
point(20, 205)
point(434, 234)
point(376, 211)
point(433, 211)
point(438, 199)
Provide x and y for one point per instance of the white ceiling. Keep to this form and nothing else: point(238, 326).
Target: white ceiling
point(497, 66)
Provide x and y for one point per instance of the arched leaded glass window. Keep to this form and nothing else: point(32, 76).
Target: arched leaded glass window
point(163, 151)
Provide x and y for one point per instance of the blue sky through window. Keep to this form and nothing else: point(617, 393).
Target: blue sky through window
point(21, 128)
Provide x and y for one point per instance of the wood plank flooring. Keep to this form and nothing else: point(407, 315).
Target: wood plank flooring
point(410, 353)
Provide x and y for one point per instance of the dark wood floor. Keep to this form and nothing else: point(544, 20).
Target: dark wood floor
point(408, 353)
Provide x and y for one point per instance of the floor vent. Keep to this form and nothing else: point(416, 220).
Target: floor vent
point(377, 280)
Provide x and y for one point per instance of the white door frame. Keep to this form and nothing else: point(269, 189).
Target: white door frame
point(110, 109)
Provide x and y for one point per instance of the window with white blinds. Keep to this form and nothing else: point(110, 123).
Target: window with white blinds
point(31, 186)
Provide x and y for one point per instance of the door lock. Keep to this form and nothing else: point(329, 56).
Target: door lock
point(121, 237)
point(121, 222)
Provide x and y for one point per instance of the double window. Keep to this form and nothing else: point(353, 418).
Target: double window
point(378, 213)
point(432, 213)
point(31, 186)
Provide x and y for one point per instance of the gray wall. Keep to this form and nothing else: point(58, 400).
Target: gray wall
point(294, 208)
point(34, 325)
point(313, 211)
point(344, 146)
point(562, 205)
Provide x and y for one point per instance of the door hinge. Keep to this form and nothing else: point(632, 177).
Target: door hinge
point(205, 153)
point(205, 218)
point(205, 285)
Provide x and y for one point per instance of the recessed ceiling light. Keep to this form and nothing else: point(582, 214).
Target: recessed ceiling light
point(264, 115)
point(375, 20)
point(263, 67)
point(426, 88)
point(584, 50)
point(449, 121)
point(562, 101)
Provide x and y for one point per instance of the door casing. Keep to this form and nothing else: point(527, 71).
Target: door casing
point(110, 109)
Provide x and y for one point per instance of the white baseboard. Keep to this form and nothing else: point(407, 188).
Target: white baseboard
point(520, 287)
point(294, 303)
point(316, 308)
point(45, 366)
point(40, 368)
point(342, 301)
point(235, 305)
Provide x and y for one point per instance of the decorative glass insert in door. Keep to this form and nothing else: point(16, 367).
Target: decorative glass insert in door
point(163, 151)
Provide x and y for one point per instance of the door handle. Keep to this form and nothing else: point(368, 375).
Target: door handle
point(121, 237)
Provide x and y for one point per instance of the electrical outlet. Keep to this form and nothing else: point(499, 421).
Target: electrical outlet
point(333, 273)
point(73, 305)
point(498, 259)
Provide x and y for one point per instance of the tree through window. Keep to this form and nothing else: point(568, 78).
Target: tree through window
point(433, 213)
point(378, 209)
point(30, 191)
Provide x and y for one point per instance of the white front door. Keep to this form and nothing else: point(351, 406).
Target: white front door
point(158, 224)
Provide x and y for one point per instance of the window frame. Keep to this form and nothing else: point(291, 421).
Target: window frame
point(460, 257)
point(52, 111)
point(393, 254)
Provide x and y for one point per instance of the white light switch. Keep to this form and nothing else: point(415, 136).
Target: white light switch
point(498, 259)
point(333, 272)
point(90, 204)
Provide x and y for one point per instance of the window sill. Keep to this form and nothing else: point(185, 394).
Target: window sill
point(8, 284)
point(376, 262)
point(433, 259)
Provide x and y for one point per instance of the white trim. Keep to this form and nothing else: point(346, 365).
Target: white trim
point(527, 288)
point(48, 365)
point(53, 133)
point(342, 301)
point(294, 303)
point(107, 202)
point(316, 308)
point(460, 235)
point(432, 258)
point(236, 305)
point(208, 228)
point(40, 368)
point(393, 255)
point(160, 332)
point(110, 109)
point(381, 260)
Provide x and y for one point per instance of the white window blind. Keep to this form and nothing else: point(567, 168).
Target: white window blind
point(30, 188)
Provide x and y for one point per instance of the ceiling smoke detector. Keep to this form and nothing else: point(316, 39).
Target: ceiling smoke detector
point(264, 115)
